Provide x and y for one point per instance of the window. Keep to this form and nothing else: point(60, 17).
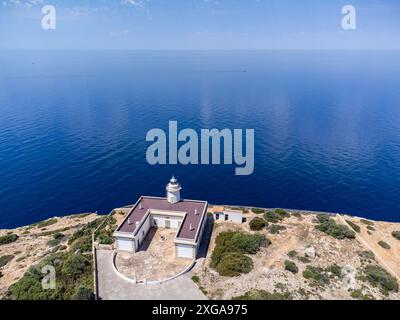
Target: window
point(226, 217)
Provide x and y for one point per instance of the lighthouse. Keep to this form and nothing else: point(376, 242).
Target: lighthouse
point(173, 191)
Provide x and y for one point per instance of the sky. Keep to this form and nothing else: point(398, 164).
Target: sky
point(200, 25)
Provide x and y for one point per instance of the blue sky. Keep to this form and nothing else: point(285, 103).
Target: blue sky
point(200, 24)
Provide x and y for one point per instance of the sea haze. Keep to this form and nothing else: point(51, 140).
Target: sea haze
point(73, 127)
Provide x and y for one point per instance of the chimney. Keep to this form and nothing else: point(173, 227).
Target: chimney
point(137, 224)
point(129, 221)
point(191, 227)
point(140, 205)
point(195, 212)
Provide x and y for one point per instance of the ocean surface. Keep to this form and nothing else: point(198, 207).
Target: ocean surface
point(73, 127)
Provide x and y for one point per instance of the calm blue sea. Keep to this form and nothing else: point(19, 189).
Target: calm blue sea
point(73, 127)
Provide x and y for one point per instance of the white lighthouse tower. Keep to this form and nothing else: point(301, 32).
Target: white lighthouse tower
point(173, 191)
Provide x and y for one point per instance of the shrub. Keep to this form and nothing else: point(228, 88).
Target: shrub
point(316, 274)
point(384, 245)
point(263, 295)
point(335, 270)
point(83, 293)
point(196, 279)
point(291, 266)
point(232, 264)
point(367, 222)
point(233, 245)
point(75, 265)
point(249, 243)
point(276, 215)
point(276, 228)
point(354, 226)
point(53, 242)
point(330, 227)
point(58, 235)
point(45, 223)
point(9, 238)
point(6, 259)
point(292, 254)
point(105, 239)
point(371, 228)
point(257, 224)
point(378, 276)
point(296, 214)
point(369, 255)
point(304, 260)
point(358, 294)
point(257, 210)
point(396, 234)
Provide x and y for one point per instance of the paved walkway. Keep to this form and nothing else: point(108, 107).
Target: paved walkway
point(112, 287)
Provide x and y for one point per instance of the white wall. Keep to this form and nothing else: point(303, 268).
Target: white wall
point(125, 244)
point(185, 251)
point(142, 233)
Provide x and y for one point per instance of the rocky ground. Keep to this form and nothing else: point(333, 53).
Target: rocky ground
point(34, 243)
point(308, 247)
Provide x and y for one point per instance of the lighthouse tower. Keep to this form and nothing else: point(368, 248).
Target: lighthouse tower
point(173, 191)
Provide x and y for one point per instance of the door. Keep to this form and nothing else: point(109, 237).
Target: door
point(184, 251)
point(167, 224)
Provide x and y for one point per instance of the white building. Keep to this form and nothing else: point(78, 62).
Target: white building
point(187, 217)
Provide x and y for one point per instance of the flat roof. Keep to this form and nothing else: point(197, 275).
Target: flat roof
point(153, 203)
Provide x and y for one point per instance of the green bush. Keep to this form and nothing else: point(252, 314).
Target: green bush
point(354, 226)
point(263, 295)
point(233, 245)
point(316, 274)
point(233, 264)
point(358, 295)
point(368, 255)
point(276, 228)
point(296, 214)
point(378, 276)
point(276, 215)
point(75, 265)
point(304, 260)
point(53, 242)
point(258, 210)
point(249, 243)
point(105, 239)
point(83, 293)
point(335, 270)
point(58, 235)
point(384, 245)
point(292, 254)
point(291, 266)
point(196, 279)
point(257, 224)
point(45, 223)
point(371, 228)
point(396, 234)
point(6, 259)
point(7, 239)
point(330, 227)
point(367, 222)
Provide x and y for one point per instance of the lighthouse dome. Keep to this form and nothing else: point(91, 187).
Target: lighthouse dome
point(173, 191)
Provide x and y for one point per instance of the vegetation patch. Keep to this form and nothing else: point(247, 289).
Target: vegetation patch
point(196, 279)
point(359, 295)
point(292, 254)
point(304, 260)
point(291, 266)
point(329, 226)
point(264, 295)
point(45, 223)
point(379, 277)
point(367, 222)
point(396, 234)
point(276, 228)
point(81, 240)
point(384, 245)
point(276, 215)
point(257, 224)
point(317, 275)
point(257, 210)
point(6, 259)
point(354, 226)
point(7, 239)
point(335, 270)
point(371, 228)
point(228, 256)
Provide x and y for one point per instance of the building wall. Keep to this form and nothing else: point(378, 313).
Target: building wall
point(185, 251)
point(174, 221)
point(125, 244)
point(142, 233)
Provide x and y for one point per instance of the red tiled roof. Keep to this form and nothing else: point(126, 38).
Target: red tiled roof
point(187, 206)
